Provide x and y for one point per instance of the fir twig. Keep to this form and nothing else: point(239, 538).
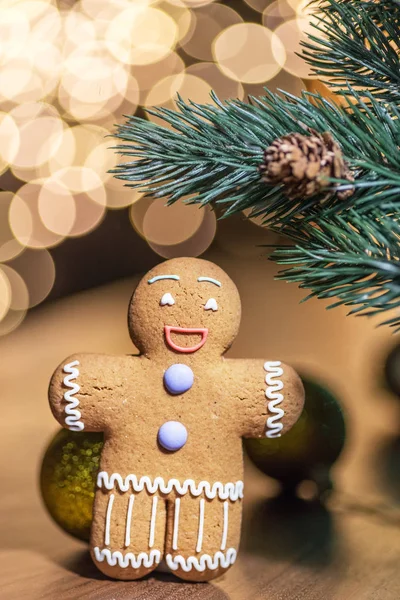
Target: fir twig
point(213, 152)
point(357, 43)
point(354, 258)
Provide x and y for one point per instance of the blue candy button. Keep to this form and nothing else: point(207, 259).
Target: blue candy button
point(172, 436)
point(178, 379)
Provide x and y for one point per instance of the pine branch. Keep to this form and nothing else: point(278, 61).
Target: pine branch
point(355, 258)
point(357, 42)
point(348, 249)
point(213, 152)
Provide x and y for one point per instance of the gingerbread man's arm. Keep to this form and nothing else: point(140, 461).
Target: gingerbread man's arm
point(81, 392)
point(269, 397)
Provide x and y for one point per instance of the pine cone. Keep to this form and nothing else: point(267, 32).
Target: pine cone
point(304, 164)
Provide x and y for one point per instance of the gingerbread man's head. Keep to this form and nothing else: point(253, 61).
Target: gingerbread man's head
point(184, 306)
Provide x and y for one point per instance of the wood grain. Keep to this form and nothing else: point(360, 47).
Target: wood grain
point(348, 550)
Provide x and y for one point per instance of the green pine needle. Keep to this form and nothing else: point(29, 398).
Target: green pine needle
point(353, 258)
point(357, 42)
point(213, 152)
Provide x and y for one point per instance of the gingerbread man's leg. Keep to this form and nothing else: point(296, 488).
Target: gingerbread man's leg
point(202, 536)
point(128, 532)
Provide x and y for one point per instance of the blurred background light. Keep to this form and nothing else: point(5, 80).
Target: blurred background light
point(141, 35)
point(5, 294)
point(25, 220)
point(36, 267)
point(10, 247)
point(18, 289)
point(211, 20)
point(193, 245)
point(291, 34)
point(170, 225)
point(249, 52)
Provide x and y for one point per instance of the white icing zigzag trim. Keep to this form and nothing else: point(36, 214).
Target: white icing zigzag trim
point(233, 491)
point(203, 562)
point(73, 420)
point(129, 559)
point(274, 385)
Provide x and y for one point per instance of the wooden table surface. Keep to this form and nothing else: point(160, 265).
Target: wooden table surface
point(348, 550)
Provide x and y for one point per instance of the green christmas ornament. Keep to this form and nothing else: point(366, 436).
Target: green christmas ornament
point(310, 448)
point(68, 477)
point(392, 370)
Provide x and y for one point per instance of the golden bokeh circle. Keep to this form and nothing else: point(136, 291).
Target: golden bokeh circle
point(292, 33)
point(195, 245)
point(25, 221)
point(11, 321)
point(147, 76)
point(137, 213)
point(9, 140)
point(170, 225)
point(9, 245)
point(164, 93)
point(18, 287)
point(211, 20)
point(5, 294)
point(89, 197)
point(56, 206)
point(37, 269)
point(92, 75)
point(191, 3)
point(277, 13)
point(40, 138)
point(257, 5)
point(249, 53)
point(141, 34)
point(121, 196)
point(223, 86)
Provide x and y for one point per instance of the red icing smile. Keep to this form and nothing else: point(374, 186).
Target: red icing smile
point(203, 331)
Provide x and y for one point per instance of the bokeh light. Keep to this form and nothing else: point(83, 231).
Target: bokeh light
point(211, 20)
point(56, 206)
point(138, 211)
point(169, 225)
point(222, 85)
point(258, 5)
point(291, 34)
point(70, 71)
point(149, 75)
point(19, 300)
point(9, 140)
point(120, 198)
point(37, 269)
point(5, 294)
point(89, 196)
point(10, 247)
point(25, 220)
point(277, 13)
point(141, 34)
point(194, 245)
point(249, 53)
point(11, 321)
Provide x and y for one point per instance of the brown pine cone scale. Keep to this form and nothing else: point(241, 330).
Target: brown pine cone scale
point(304, 164)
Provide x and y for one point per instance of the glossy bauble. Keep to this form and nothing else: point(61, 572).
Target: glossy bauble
point(68, 478)
point(392, 370)
point(310, 448)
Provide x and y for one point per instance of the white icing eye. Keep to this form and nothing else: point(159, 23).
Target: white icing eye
point(167, 299)
point(211, 304)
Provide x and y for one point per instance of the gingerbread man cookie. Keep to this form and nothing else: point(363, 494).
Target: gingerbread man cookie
point(170, 482)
